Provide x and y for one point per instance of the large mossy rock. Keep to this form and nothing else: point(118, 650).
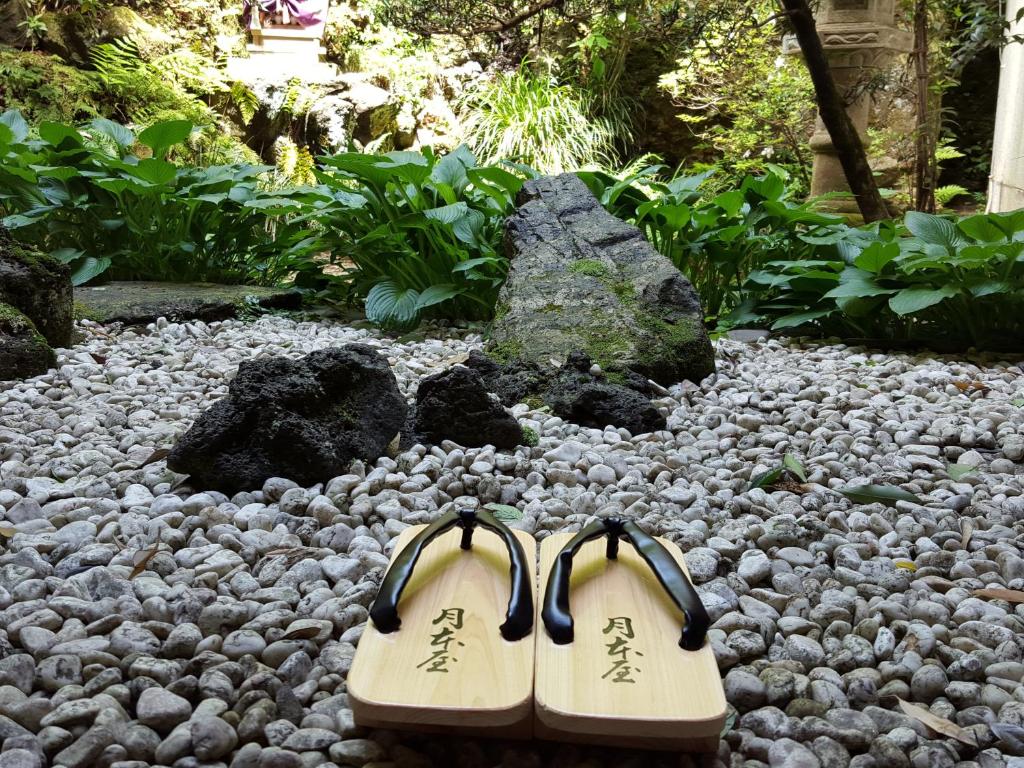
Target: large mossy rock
point(582, 280)
point(39, 287)
point(23, 350)
point(304, 420)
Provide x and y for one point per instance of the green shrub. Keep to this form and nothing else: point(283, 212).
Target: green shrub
point(533, 119)
point(933, 280)
point(45, 88)
point(715, 242)
point(412, 233)
point(88, 199)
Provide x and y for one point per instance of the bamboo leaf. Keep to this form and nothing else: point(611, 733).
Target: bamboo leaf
point(1014, 596)
point(791, 463)
point(158, 455)
point(938, 724)
point(766, 479)
point(142, 558)
point(886, 494)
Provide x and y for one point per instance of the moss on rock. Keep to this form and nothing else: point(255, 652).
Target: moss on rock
point(23, 350)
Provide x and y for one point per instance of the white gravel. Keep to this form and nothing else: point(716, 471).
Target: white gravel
point(232, 644)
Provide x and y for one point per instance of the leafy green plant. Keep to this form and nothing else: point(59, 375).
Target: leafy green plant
point(411, 233)
point(933, 280)
point(87, 198)
point(715, 242)
point(533, 119)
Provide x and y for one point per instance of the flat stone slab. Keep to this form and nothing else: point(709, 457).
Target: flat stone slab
point(135, 303)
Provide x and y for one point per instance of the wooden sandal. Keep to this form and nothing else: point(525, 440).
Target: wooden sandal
point(615, 671)
point(446, 664)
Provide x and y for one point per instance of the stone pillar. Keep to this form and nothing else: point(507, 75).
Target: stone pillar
point(1006, 184)
point(860, 38)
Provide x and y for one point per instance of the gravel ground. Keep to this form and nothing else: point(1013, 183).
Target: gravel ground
point(231, 647)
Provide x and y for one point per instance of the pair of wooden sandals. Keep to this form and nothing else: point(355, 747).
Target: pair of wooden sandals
point(612, 669)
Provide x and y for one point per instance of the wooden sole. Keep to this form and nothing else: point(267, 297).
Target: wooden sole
point(448, 667)
point(624, 680)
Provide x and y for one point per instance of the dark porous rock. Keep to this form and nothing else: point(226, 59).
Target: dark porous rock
point(573, 392)
point(577, 395)
point(305, 420)
point(39, 287)
point(456, 405)
point(582, 279)
point(23, 350)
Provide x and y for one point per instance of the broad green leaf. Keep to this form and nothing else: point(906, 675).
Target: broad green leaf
point(13, 120)
point(886, 494)
point(436, 294)
point(797, 319)
point(874, 258)
point(911, 300)
point(119, 134)
point(447, 214)
point(162, 136)
point(6, 136)
point(933, 229)
point(504, 512)
point(57, 133)
point(89, 268)
point(958, 471)
point(392, 307)
point(155, 171)
point(766, 479)
point(981, 228)
point(730, 201)
point(67, 255)
point(790, 462)
point(857, 283)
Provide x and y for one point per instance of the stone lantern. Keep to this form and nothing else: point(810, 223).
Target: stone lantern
point(860, 39)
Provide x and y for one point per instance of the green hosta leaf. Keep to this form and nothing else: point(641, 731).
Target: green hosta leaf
point(766, 479)
point(451, 169)
point(471, 264)
point(1019, 402)
point(468, 228)
point(504, 512)
point(154, 171)
point(797, 319)
point(447, 214)
point(874, 258)
point(989, 287)
point(6, 136)
point(58, 172)
point(857, 283)
point(911, 300)
point(933, 229)
point(730, 202)
point(390, 306)
point(790, 462)
point(886, 494)
point(89, 268)
point(119, 134)
point(959, 471)
point(13, 120)
point(436, 294)
point(981, 228)
point(56, 133)
point(162, 136)
point(67, 255)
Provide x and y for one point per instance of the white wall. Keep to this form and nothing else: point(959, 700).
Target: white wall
point(1006, 184)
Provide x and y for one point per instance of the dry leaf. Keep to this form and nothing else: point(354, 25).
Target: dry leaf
point(142, 558)
point(938, 724)
point(997, 593)
point(906, 564)
point(7, 531)
point(158, 455)
point(972, 386)
point(966, 529)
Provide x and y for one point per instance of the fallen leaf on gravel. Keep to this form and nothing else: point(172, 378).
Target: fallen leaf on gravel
point(966, 529)
point(142, 558)
point(938, 724)
point(158, 455)
point(886, 494)
point(998, 593)
point(907, 564)
point(504, 512)
point(958, 471)
point(7, 531)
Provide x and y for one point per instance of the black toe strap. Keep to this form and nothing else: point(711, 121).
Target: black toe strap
point(518, 617)
point(556, 615)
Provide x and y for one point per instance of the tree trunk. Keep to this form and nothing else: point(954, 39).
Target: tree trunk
point(924, 161)
point(832, 108)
